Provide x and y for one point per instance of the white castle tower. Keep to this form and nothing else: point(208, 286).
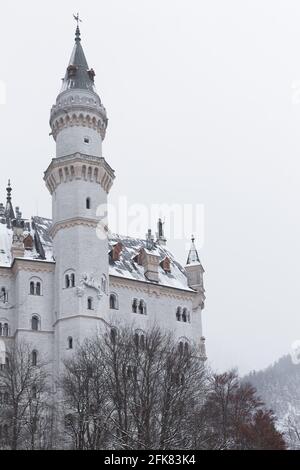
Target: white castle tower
point(79, 180)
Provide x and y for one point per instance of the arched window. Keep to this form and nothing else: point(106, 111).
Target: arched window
point(72, 280)
point(184, 315)
point(5, 329)
point(142, 341)
point(142, 307)
point(34, 356)
point(136, 339)
point(35, 287)
point(186, 348)
point(88, 203)
point(67, 281)
point(103, 283)
point(90, 303)
point(134, 305)
point(38, 290)
point(113, 302)
point(180, 347)
point(70, 342)
point(178, 314)
point(3, 295)
point(35, 323)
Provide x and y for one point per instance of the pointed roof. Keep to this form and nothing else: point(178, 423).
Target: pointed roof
point(9, 210)
point(193, 257)
point(78, 74)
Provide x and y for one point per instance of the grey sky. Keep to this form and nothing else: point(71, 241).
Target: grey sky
point(202, 109)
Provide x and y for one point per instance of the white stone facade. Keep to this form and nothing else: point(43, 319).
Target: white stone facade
point(60, 281)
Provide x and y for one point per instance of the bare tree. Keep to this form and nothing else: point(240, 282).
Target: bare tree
point(23, 383)
point(142, 390)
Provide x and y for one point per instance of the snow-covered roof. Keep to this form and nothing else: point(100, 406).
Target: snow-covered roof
point(38, 228)
point(126, 267)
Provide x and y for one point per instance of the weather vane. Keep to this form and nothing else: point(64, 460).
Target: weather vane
point(78, 19)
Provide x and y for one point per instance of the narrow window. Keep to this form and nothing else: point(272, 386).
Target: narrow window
point(186, 348)
point(86, 140)
point(32, 288)
point(134, 306)
point(90, 303)
point(184, 316)
point(1, 331)
point(34, 358)
point(70, 342)
point(73, 280)
point(180, 347)
point(142, 308)
point(34, 323)
point(113, 302)
point(136, 340)
point(3, 295)
point(88, 203)
point(142, 341)
point(5, 329)
point(178, 314)
point(67, 281)
point(38, 288)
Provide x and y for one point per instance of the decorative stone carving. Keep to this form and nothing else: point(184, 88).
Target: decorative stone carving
point(88, 280)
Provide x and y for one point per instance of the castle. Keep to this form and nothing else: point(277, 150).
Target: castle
point(61, 279)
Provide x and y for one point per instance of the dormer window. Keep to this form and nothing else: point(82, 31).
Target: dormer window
point(116, 251)
point(71, 70)
point(166, 264)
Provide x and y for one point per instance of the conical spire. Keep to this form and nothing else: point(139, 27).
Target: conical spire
point(193, 257)
point(9, 211)
point(78, 74)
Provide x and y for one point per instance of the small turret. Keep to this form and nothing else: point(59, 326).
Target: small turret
point(195, 271)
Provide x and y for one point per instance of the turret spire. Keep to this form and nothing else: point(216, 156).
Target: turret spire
point(193, 253)
point(78, 74)
point(9, 211)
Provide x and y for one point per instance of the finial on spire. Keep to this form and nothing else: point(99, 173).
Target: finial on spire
point(9, 190)
point(78, 20)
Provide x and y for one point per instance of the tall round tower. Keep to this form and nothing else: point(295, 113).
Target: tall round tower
point(79, 180)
